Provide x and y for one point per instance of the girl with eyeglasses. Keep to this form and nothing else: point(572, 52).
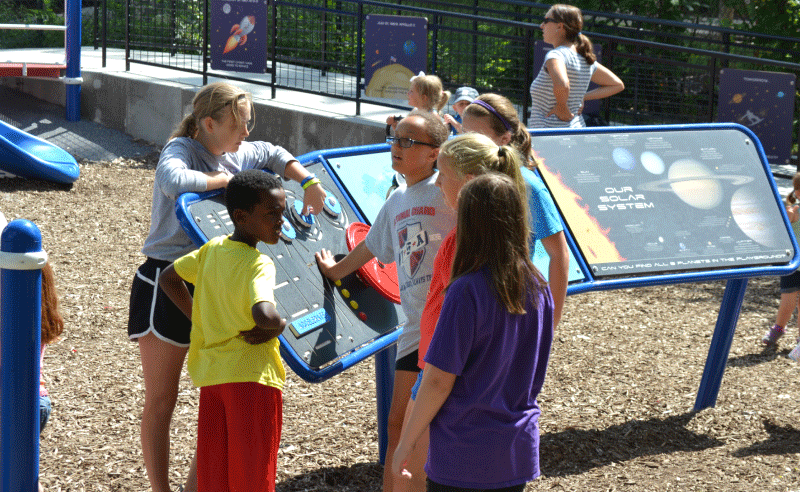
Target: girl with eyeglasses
point(560, 89)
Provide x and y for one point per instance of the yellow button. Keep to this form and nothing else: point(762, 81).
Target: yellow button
point(354, 304)
point(338, 283)
point(345, 292)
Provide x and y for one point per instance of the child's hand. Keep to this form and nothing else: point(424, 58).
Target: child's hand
point(325, 261)
point(448, 119)
point(313, 199)
point(258, 335)
point(399, 462)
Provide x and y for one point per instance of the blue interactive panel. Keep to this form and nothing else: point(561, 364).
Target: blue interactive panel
point(330, 326)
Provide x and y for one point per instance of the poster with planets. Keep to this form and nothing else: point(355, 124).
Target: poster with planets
point(396, 49)
point(238, 35)
point(680, 199)
point(764, 103)
point(541, 48)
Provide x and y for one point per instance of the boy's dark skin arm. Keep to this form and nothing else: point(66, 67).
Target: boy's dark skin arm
point(173, 285)
point(268, 324)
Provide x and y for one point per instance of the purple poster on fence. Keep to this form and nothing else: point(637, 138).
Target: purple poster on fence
point(764, 103)
point(239, 35)
point(540, 50)
point(396, 50)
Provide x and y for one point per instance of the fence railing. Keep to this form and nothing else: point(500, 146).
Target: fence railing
point(670, 69)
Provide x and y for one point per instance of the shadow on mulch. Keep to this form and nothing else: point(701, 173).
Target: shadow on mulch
point(766, 355)
point(24, 184)
point(358, 477)
point(781, 440)
point(574, 451)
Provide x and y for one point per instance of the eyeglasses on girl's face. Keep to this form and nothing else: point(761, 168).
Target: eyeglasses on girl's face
point(407, 143)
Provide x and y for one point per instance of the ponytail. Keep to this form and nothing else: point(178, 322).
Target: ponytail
point(187, 127)
point(443, 98)
point(584, 48)
point(476, 154)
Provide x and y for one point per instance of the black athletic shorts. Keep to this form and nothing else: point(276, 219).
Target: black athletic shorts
point(790, 283)
point(408, 362)
point(152, 311)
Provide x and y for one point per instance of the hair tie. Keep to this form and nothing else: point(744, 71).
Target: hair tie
point(494, 112)
point(579, 33)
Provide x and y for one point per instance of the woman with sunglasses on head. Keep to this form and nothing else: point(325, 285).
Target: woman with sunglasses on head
point(207, 149)
point(560, 89)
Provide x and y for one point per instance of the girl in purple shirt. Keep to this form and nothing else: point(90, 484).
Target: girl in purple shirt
point(487, 361)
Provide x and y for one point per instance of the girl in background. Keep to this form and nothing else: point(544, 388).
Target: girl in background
point(426, 93)
point(495, 116)
point(560, 89)
point(488, 357)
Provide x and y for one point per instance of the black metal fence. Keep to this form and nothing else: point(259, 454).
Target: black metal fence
point(671, 69)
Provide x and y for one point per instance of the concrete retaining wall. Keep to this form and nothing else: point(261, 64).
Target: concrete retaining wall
point(149, 109)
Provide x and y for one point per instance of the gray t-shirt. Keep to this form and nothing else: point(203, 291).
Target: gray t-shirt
point(179, 171)
point(543, 100)
point(408, 230)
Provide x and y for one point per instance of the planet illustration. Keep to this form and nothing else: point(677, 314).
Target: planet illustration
point(748, 213)
point(695, 184)
point(652, 162)
point(737, 98)
point(409, 47)
point(623, 158)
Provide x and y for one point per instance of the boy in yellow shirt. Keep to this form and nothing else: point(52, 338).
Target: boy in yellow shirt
point(233, 352)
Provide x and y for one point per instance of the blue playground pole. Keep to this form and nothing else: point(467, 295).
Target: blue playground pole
point(21, 261)
point(384, 386)
point(721, 343)
point(72, 41)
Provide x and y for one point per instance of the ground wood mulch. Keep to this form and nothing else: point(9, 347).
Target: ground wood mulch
point(616, 407)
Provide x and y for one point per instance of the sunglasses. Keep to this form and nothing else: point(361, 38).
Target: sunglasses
point(407, 143)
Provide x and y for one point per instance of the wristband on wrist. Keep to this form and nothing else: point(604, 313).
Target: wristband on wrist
point(310, 182)
point(307, 179)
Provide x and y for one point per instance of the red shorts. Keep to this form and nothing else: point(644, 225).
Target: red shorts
point(239, 430)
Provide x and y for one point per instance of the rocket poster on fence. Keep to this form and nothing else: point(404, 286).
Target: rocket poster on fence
point(665, 201)
point(764, 103)
point(238, 35)
point(396, 50)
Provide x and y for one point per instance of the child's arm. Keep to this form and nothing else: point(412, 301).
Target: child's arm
point(173, 285)
point(433, 392)
point(354, 260)
point(269, 324)
point(558, 271)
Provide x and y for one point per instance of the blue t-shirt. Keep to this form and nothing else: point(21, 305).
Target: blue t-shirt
point(545, 220)
point(486, 435)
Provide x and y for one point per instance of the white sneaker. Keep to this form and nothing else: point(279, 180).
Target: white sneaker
point(795, 353)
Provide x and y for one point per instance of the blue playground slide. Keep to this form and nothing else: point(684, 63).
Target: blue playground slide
point(31, 157)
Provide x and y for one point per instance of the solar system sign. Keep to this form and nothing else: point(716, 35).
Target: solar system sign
point(649, 200)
